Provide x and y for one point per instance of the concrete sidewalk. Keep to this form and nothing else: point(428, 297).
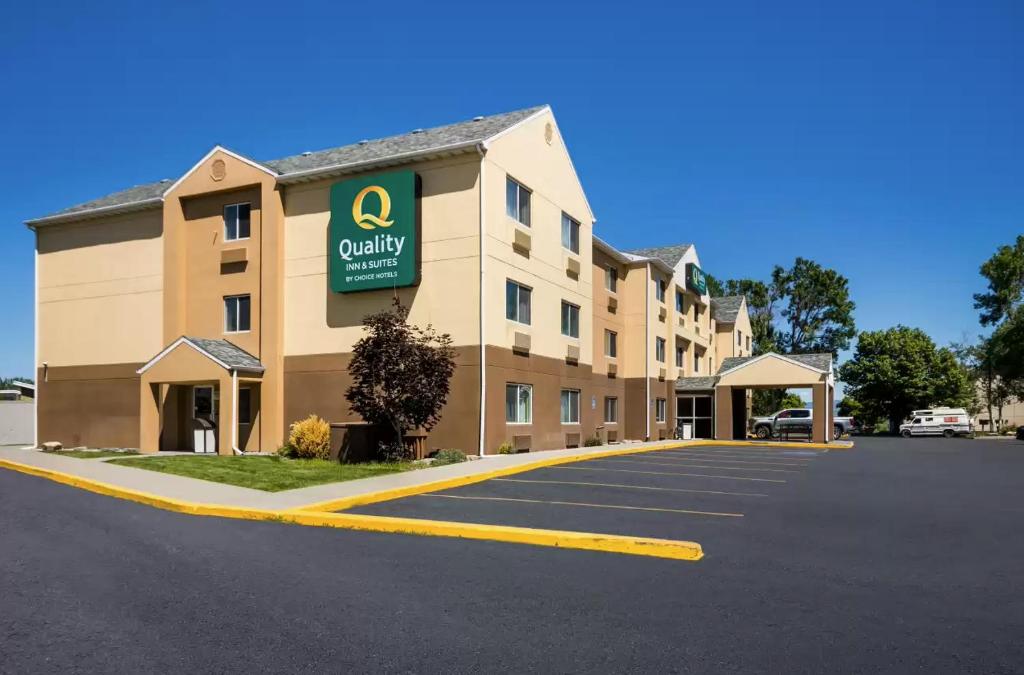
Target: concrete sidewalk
point(207, 492)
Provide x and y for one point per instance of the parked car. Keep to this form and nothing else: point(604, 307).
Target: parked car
point(796, 420)
point(948, 422)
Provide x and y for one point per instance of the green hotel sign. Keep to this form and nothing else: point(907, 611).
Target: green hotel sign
point(696, 281)
point(374, 232)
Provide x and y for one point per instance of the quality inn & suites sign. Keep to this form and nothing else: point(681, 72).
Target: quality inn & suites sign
point(374, 232)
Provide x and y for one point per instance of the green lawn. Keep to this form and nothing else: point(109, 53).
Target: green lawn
point(272, 474)
point(89, 454)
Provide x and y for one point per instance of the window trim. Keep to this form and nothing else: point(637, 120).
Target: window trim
point(615, 401)
point(611, 339)
point(518, 318)
point(660, 344)
point(566, 303)
point(660, 290)
point(572, 222)
point(225, 305)
point(579, 396)
point(611, 273)
point(518, 386)
point(225, 221)
point(519, 211)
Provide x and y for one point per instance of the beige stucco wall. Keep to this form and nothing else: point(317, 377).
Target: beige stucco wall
point(772, 372)
point(525, 154)
point(319, 321)
point(101, 290)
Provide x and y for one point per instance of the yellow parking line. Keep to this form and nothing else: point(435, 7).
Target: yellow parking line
point(728, 461)
point(631, 487)
point(666, 473)
point(644, 460)
point(596, 506)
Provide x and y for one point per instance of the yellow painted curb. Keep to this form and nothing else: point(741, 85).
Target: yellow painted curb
point(658, 548)
point(344, 503)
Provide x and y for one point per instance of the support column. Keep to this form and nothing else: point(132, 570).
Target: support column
point(822, 415)
point(723, 413)
point(149, 416)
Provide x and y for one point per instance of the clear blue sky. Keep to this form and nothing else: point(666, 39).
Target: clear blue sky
point(884, 139)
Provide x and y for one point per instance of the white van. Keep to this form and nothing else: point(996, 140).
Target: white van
point(946, 422)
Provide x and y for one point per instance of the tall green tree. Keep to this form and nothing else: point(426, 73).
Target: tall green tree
point(1004, 272)
point(894, 371)
point(818, 313)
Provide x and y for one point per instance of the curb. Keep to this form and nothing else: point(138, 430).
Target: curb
point(644, 546)
point(343, 503)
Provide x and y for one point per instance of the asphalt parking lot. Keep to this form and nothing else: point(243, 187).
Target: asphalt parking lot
point(898, 556)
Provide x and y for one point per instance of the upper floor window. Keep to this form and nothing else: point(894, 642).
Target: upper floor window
point(236, 222)
point(517, 302)
point(611, 279)
point(659, 350)
point(236, 314)
point(611, 346)
point(679, 356)
point(696, 364)
point(659, 290)
point(739, 338)
point(748, 343)
point(680, 304)
point(570, 319)
point(517, 201)
point(570, 234)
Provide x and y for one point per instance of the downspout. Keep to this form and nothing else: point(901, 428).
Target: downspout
point(234, 413)
point(647, 353)
point(482, 149)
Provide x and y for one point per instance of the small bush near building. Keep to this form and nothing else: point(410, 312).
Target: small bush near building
point(311, 438)
point(286, 451)
point(506, 449)
point(592, 442)
point(449, 456)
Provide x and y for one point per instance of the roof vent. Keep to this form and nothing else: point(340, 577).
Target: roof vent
point(165, 180)
point(363, 142)
point(307, 153)
point(478, 118)
point(417, 131)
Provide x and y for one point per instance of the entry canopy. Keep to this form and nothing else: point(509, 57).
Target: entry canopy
point(767, 371)
point(182, 353)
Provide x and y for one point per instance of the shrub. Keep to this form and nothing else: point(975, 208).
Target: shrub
point(392, 451)
point(311, 438)
point(286, 451)
point(506, 449)
point(449, 456)
point(592, 442)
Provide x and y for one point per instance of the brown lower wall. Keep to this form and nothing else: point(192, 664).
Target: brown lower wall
point(95, 406)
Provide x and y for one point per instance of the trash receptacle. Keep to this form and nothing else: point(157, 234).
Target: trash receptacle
point(204, 435)
point(687, 431)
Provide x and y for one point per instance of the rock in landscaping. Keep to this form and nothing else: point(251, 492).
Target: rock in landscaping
point(53, 446)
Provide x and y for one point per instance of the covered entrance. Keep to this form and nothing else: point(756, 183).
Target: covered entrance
point(200, 395)
point(695, 407)
point(737, 376)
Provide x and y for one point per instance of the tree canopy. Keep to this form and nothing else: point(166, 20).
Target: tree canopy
point(896, 370)
point(1004, 272)
point(400, 374)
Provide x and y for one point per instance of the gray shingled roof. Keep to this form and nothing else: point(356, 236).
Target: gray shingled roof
point(229, 354)
point(696, 383)
point(670, 255)
point(726, 309)
point(820, 362)
point(467, 133)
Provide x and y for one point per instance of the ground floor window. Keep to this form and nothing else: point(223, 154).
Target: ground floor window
point(611, 410)
point(697, 412)
point(518, 403)
point(660, 406)
point(570, 406)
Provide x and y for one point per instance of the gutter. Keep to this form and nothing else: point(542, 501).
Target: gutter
point(95, 213)
point(311, 174)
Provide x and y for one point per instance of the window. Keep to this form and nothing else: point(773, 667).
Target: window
point(611, 410)
point(659, 350)
point(517, 201)
point(570, 320)
point(610, 343)
point(611, 279)
point(680, 305)
point(236, 314)
point(245, 405)
point(570, 234)
point(517, 302)
point(570, 406)
point(236, 222)
point(739, 338)
point(696, 364)
point(660, 405)
point(801, 414)
point(659, 291)
point(748, 343)
point(679, 356)
point(518, 403)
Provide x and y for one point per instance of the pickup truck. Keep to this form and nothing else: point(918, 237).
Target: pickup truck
point(796, 421)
